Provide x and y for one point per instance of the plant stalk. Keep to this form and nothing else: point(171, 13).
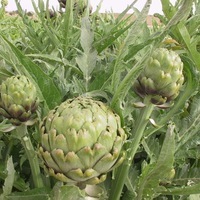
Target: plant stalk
point(31, 155)
point(132, 146)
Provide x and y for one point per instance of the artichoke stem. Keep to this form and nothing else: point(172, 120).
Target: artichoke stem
point(134, 142)
point(31, 155)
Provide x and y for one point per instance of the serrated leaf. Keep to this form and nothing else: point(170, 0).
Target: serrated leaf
point(87, 59)
point(63, 192)
point(87, 35)
point(134, 33)
point(152, 147)
point(68, 24)
point(87, 62)
point(188, 127)
point(19, 183)
point(168, 8)
point(8, 184)
point(39, 194)
point(183, 190)
point(159, 170)
point(181, 14)
point(97, 93)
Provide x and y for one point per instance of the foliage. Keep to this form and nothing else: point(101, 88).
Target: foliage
point(66, 55)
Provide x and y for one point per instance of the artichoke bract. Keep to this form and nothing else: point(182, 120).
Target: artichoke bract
point(18, 99)
point(162, 77)
point(81, 140)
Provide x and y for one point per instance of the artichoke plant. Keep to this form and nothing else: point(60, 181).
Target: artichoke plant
point(162, 77)
point(18, 99)
point(81, 140)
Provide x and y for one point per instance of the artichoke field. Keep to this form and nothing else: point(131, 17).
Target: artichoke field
point(96, 106)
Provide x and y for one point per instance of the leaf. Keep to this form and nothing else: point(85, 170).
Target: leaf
point(188, 132)
point(168, 8)
point(152, 147)
point(87, 59)
point(8, 184)
point(191, 46)
point(87, 35)
point(39, 194)
point(87, 62)
point(134, 32)
point(154, 173)
point(183, 190)
point(127, 82)
point(68, 23)
point(63, 192)
point(131, 182)
point(110, 38)
point(19, 183)
point(181, 14)
point(5, 126)
point(97, 93)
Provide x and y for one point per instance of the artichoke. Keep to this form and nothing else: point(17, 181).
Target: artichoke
point(4, 3)
point(81, 140)
point(161, 78)
point(18, 99)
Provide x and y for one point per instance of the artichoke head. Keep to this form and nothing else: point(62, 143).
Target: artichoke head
point(161, 78)
point(81, 140)
point(18, 99)
point(4, 3)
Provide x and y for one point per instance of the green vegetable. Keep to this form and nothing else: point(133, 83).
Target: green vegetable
point(162, 77)
point(4, 3)
point(81, 140)
point(18, 100)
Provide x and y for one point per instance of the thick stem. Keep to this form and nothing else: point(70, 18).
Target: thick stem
point(31, 155)
point(134, 142)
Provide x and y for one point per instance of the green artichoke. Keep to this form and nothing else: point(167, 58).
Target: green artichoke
point(162, 77)
point(81, 140)
point(4, 3)
point(18, 99)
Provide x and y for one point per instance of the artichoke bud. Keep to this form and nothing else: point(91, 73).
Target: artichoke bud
point(161, 78)
point(18, 100)
point(4, 3)
point(81, 140)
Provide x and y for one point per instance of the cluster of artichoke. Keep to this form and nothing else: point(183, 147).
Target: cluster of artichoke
point(18, 100)
point(81, 140)
point(162, 77)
